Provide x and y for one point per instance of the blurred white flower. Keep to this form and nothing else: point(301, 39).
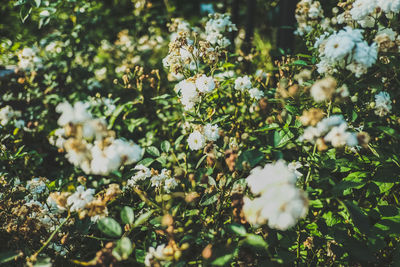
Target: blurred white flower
point(211, 132)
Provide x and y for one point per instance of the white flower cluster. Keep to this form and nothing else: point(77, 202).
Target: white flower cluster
point(278, 201)
point(365, 10)
point(156, 254)
point(191, 89)
point(197, 139)
point(7, 114)
point(244, 84)
point(37, 189)
point(28, 58)
point(88, 143)
point(345, 49)
point(308, 14)
point(216, 26)
point(334, 130)
point(157, 180)
point(80, 198)
point(383, 104)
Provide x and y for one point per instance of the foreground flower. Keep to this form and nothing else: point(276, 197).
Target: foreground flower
point(80, 198)
point(279, 202)
point(196, 140)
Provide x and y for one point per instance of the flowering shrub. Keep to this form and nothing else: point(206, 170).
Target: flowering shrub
point(173, 148)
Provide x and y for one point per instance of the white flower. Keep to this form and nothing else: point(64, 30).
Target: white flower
point(6, 114)
point(80, 198)
point(196, 140)
point(243, 83)
point(157, 255)
point(211, 132)
point(337, 136)
point(256, 94)
point(383, 104)
point(169, 184)
point(365, 54)
point(279, 203)
point(389, 5)
point(205, 84)
point(36, 187)
point(362, 8)
point(261, 179)
point(72, 114)
point(293, 166)
point(188, 92)
point(338, 47)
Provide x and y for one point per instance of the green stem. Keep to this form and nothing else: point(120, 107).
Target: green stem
point(51, 236)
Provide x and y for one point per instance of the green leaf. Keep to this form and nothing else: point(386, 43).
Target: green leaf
point(24, 12)
point(200, 161)
point(252, 157)
point(237, 229)
point(8, 256)
point(115, 115)
point(281, 138)
point(146, 162)
point(268, 127)
point(37, 2)
point(140, 255)
point(300, 62)
point(127, 215)
point(142, 218)
point(178, 141)
point(153, 151)
point(165, 146)
point(109, 227)
point(255, 241)
point(360, 220)
point(209, 199)
point(223, 260)
point(164, 96)
point(123, 249)
point(162, 160)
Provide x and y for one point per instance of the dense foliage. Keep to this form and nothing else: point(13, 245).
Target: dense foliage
point(163, 133)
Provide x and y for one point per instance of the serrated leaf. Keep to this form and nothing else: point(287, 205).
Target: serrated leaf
point(209, 199)
point(127, 215)
point(109, 227)
point(281, 138)
point(153, 151)
point(165, 146)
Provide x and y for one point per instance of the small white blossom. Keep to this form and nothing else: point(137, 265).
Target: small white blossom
point(211, 132)
point(80, 198)
point(196, 140)
point(243, 83)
